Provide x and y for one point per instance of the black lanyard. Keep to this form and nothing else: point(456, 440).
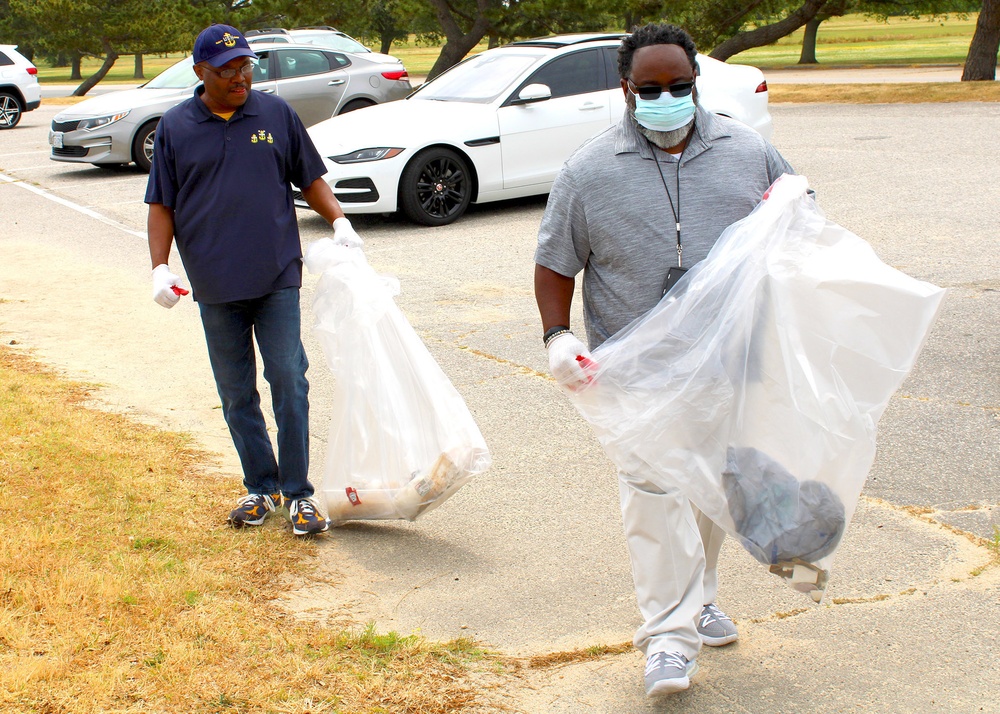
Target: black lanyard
point(676, 212)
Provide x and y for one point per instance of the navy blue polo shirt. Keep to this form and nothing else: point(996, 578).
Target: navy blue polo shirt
point(229, 184)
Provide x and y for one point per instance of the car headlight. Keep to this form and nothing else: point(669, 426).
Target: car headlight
point(362, 155)
point(98, 122)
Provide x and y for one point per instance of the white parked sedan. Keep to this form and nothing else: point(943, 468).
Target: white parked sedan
point(499, 125)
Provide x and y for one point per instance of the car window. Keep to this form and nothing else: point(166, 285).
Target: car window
point(612, 80)
point(338, 60)
point(331, 40)
point(301, 63)
point(576, 73)
point(262, 72)
point(5, 60)
point(178, 76)
point(479, 79)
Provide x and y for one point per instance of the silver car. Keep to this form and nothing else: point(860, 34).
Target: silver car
point(118, 127)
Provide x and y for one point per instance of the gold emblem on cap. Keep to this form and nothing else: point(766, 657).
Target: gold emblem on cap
point(229, 40)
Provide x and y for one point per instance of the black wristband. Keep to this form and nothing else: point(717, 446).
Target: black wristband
point(553, 332)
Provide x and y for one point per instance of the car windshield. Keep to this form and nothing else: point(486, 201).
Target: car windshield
point(178, 76)
point(479, 79)
point(331, 41)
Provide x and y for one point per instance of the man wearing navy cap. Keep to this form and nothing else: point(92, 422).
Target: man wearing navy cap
point(224, 163)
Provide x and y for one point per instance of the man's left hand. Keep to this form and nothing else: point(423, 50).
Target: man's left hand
point(344, 234)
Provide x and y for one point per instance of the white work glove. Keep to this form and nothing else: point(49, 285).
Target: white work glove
point(569, 361)
point(344, 234)
point(165, 289)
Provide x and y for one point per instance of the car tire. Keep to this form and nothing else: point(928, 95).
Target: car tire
point(11, 110)
point(355, 104)
point(436, 187)
point(142, 145)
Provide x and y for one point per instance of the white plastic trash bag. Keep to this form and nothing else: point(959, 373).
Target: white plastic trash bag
point(756, 385)
point(402, 439)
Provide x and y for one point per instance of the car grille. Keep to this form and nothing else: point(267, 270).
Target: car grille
point(65, 125)
point(369, 196)
point(70, 151)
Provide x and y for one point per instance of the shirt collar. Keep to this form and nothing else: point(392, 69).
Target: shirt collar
point(629, 140)
point(203, 113)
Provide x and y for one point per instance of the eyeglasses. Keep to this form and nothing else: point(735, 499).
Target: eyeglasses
point(679, 89)
point(245, 69)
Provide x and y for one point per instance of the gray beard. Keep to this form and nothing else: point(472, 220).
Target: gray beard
point(666, 139)
point(662, 139)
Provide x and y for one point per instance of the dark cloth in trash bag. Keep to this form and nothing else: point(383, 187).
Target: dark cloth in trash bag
point(779, 517)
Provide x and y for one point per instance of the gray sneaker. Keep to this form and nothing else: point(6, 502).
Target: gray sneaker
point(668, 672)
point(715, 627)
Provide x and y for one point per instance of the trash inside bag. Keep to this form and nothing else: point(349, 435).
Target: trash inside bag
point(402, 439)
point(755, 386)
point(778, 517)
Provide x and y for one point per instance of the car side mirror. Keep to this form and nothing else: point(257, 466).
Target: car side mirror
point(533, 93)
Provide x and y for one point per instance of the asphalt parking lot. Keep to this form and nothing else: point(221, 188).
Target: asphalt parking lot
point(530, 558)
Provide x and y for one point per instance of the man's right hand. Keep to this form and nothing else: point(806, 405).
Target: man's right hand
point(567, 357)
point(164, 283)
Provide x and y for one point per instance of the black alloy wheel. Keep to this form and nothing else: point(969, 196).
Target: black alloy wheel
point(436, 187)
point(10, 110)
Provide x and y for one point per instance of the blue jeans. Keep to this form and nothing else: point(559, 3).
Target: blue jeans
point(275, 322)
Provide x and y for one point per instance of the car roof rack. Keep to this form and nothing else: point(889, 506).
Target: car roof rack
point(267, 31)
point(318, 27)
point(566, 40)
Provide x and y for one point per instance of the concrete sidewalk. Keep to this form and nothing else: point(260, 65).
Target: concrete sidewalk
point(818, 74)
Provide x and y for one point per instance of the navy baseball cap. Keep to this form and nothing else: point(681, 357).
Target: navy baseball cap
point(218, 44)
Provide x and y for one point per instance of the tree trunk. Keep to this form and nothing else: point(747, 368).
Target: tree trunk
point(767, 34)
point(137, 74)
point(385, 39)
point(458, 43)
point(808, 54)
point(110, 57)
point(74, 71)
point(981, 62)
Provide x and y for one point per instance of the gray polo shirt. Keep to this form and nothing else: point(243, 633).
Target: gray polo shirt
point(608, 212)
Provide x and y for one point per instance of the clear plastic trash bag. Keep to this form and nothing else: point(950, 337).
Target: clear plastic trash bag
point(755, 386)
point(402, 439)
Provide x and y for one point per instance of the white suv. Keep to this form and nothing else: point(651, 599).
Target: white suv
point(19, 90)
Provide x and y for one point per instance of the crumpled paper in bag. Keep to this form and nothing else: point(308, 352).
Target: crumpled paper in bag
point(402, 439)
point(756, 385)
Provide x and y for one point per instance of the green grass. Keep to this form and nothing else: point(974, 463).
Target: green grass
point(847, 41)
point(855, 40)
point(121, 73)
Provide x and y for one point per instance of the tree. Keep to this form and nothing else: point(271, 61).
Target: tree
point(981, 62)
point(830, 9)
point(463, 24)
point(104, 29)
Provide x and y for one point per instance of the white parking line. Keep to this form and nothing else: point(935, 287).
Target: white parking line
point(69, 204)
point(33, 168)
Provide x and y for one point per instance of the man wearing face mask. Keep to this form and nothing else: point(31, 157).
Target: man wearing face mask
point(632, 208)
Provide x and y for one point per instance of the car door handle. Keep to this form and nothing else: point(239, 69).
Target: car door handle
point(590, 106)
point(269, 90)
point(335, 82)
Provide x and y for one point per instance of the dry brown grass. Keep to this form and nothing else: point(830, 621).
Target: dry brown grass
point(122, 590)
point(891, 93)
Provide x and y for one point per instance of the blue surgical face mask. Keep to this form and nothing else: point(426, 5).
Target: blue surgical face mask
point(665, 113)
